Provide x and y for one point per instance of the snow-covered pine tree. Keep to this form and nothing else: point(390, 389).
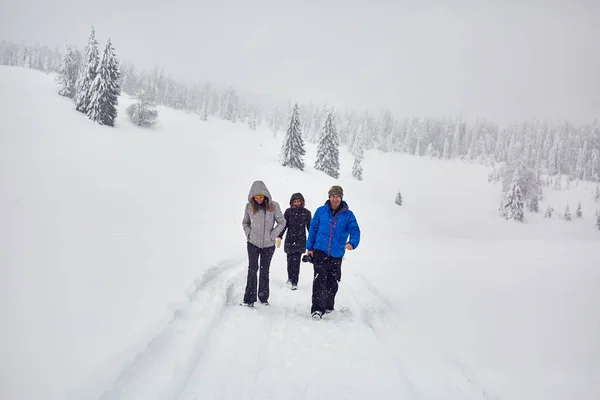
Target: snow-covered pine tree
point(292, 149)
point(578, 212)
point(252, 119)
point(567, 214)
point(328, 150)
point(69, 71)
point(429, 152)
point(513, 201)
point(143, 112)
point(87, 74)
point(398, 198)
point(446, 151)
point(358, 152)
point(549, 212)
point(598, 220)
point(534, 204)
point(597, 195)
point(105, 89)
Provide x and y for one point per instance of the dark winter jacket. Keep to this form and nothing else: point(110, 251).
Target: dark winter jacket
point(259, 226)
point(329, 233)
point(297, 225)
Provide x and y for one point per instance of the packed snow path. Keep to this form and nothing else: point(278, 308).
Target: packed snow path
point(214, 346)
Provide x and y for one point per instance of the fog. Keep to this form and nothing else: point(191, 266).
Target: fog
point(503, 60)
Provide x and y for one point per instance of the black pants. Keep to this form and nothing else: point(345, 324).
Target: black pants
point(327, 274)
point(265, 254)
point(293, 267)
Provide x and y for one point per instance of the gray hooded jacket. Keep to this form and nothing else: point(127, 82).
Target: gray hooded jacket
point(260, 227)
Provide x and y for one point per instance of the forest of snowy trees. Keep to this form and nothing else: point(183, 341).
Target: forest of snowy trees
point(520, 154)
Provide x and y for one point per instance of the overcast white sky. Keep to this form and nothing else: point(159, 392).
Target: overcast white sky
point(503, 60)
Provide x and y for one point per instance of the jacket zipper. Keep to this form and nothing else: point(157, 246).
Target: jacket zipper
point(264, 228)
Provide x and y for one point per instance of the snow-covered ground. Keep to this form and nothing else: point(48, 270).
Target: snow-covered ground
point(123, 263)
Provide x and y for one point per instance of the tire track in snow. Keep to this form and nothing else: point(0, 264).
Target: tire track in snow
point(162, 370)
point(427, 370)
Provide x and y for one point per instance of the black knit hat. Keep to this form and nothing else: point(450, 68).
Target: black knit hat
point(335, 189)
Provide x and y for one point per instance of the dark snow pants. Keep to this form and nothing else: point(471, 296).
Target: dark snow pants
point(293, 267)
point(265, 255)
point(327, 274)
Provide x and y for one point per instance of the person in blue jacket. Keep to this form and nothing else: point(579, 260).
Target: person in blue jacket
point(333, 230)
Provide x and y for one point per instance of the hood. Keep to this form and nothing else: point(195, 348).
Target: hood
point(258, 187)
point(297, 196)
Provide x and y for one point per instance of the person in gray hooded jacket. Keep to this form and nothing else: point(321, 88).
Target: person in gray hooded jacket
point(263, 222)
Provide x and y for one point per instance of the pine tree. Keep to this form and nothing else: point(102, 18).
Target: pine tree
point(398, 198)
point(204, 111)
point(143, 111)
point(549, 212)
point(597, 195)
point(328, 152)
point(598, 220)
point(578, 212)
point(292, 149)
point(358, 152)
point(534, 204)
point(105, 89)
point(87, 74)
point(513, 201)
point(446, 152)
point(69, 72)
point(252, 120)
point(567, 215)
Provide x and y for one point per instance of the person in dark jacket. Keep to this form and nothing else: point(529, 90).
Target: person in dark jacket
point(297, 219)
point(333, 230)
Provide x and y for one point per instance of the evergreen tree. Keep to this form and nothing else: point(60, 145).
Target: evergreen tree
point(105, 89)
point(598, 220)
point(597, 195)
point(87, 74)
point(358, 152)
point(549, 212)
point(328, 152)
point(578, 212)
point(567, 215)
point(292, 149)
point(398, 198)
point(534, 204)
point(143, 111)
point(513, 201)
point(69, 71)
point(446, 151)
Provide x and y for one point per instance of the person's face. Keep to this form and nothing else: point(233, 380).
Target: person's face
point(297, 203)
point(259, 198)
point(335, 201)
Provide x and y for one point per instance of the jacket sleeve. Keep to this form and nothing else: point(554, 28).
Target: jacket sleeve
point(246, 222)
point(312, 231)
point(287, 221)
point(280, 220)
point(308, 218)
point(354, 231)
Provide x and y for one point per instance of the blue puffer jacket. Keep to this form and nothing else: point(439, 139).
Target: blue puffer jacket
point(330, 233)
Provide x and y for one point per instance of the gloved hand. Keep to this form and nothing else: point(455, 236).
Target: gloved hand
point(278, 242)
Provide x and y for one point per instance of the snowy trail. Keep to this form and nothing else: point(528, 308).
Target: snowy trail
point(162, 370)
point(427, 371)
point(250, 347)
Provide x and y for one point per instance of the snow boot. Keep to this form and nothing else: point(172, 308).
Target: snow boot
point(317, 315)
